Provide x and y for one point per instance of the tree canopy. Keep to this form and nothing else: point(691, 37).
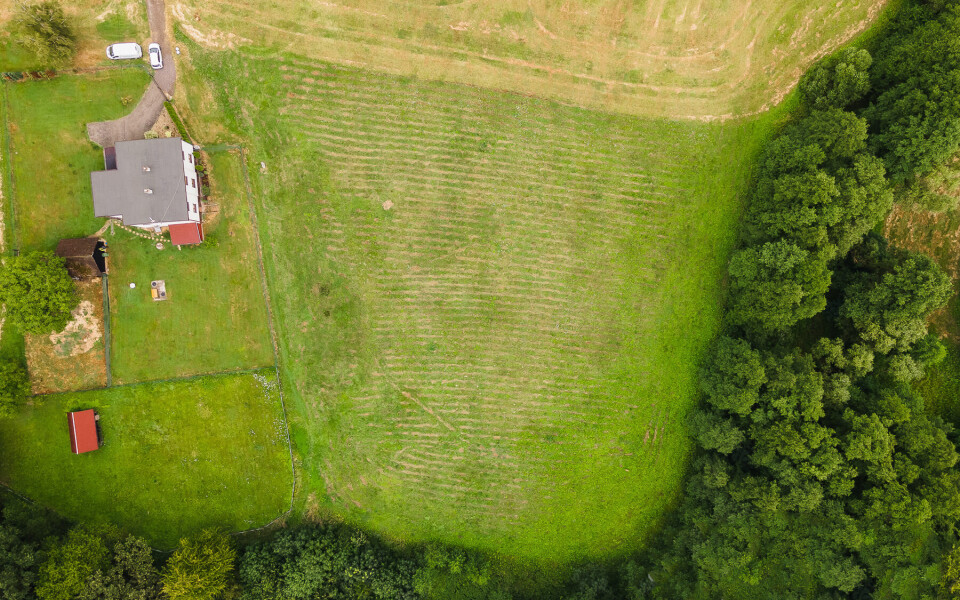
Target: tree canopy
point(837, 81)
point(37, 291)
point(45, 30)
point(200, 568)
point(14, 386)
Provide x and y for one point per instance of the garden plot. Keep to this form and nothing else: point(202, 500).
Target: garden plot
point(72, 359)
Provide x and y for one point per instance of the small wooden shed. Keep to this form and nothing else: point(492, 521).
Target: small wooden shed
point(85, 257)
point(84, 431)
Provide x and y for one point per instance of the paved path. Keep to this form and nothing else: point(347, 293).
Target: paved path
point(133, 126)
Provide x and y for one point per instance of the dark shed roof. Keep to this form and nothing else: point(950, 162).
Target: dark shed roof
point(122, 191)
point(83, 257)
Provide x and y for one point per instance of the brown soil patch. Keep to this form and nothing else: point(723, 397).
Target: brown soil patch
point(72, 359)
point(165, 127)
point(80, 334)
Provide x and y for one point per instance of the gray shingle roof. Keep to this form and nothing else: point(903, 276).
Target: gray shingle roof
point(121, 191)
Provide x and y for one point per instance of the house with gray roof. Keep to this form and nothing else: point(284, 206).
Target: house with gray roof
point(151, 184)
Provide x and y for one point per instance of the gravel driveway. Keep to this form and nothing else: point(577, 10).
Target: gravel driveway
point(133, 126)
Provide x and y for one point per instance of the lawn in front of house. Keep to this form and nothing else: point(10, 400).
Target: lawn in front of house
point(214, 318)
point(177, 456)
point(51, 156)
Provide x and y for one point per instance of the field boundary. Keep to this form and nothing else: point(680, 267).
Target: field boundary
point(273, 332)
point(13, 233)
point(27, 76)
point(106, 329)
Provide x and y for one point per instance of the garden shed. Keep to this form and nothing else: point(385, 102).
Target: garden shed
point(84, 431)
point(84, 256)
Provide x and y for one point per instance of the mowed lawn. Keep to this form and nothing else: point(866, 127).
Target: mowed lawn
point(214, 318)
point(491, 306)
point(177, 457)
point(51, 155)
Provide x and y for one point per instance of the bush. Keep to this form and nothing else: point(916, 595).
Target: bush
point(179, 123)
point(14, 386)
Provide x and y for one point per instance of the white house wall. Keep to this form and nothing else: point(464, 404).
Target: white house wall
point(192, 182)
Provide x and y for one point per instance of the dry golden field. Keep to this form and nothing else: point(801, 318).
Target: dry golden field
point(675, 58)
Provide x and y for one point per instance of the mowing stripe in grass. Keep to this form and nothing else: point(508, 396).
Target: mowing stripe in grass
point(487, 305)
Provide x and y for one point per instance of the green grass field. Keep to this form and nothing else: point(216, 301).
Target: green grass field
point(51, 155)
point(215, 318)
point(177, 457)
point(491, 306)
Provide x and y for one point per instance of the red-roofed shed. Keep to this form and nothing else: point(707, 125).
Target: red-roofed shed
point(83, 431)
point(183, 234)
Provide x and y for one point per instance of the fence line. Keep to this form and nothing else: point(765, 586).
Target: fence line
point(106, 329)
point(273, 332)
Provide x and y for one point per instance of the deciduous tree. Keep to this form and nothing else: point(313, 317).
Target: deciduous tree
point(775, 285)
point(200, 567)
point(70, 564)
point(37, 291)
point(837, 81)
point(14, 386)
point(44, 29)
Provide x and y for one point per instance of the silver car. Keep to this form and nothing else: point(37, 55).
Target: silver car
point(156, 58)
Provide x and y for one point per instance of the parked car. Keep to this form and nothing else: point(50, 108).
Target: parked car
point(124, 51)
point(156, 58)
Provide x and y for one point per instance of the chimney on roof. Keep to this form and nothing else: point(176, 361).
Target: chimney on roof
point(147, 191)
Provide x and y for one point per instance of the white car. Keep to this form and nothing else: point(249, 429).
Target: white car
point(124, 51)
point(156, 58)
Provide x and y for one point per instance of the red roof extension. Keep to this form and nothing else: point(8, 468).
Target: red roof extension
point(186, 233)
point(83, 431)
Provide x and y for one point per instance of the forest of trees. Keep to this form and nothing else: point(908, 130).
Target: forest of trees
point(818, 472)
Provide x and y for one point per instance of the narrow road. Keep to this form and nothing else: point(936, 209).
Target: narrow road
point(133, 126)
